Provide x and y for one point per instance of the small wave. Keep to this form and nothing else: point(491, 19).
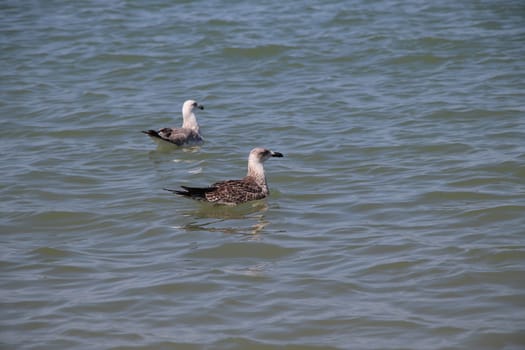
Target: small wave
point(495, 213)
point(50, 252)
point(425, 59)
point(257, 51)
point(243, 250)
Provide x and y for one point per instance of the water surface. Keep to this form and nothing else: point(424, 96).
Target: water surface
point(395, 219)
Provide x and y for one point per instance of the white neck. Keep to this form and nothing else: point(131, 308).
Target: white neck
point(189, 121)
point(256, 171)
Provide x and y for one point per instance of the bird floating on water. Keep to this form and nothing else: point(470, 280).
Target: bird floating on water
point(232, 192)
point(188, 134)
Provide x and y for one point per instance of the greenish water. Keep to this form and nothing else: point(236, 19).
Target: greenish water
point(395, 219)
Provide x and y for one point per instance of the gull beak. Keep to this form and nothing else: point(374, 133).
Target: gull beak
point(200, 106)
point(277, 154)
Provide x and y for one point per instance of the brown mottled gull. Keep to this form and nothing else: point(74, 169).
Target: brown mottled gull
point(188, 134)
point(232, 192)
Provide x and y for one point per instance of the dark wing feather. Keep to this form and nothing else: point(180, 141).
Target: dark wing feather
point(152, 133)
point(198, 193)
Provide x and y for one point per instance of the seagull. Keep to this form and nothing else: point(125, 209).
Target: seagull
point(232, 192)
point(188, 134)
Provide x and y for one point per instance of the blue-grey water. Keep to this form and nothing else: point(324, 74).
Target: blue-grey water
point(396, 219)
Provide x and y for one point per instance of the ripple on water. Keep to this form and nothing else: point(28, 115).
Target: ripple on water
point(236, 250)
point(394, 220)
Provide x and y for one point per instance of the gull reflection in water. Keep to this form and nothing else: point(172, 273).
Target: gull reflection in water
point(164, 156)
point(227, 217)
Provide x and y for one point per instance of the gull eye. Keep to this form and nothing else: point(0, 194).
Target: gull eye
point(194, 104)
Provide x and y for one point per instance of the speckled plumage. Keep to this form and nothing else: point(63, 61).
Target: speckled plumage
point(232, 192)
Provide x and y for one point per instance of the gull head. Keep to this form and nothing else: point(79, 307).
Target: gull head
point(260, 154)
point(189, 105)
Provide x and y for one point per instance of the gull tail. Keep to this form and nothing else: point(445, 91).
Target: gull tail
point(152, 133)
point(198, 193)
